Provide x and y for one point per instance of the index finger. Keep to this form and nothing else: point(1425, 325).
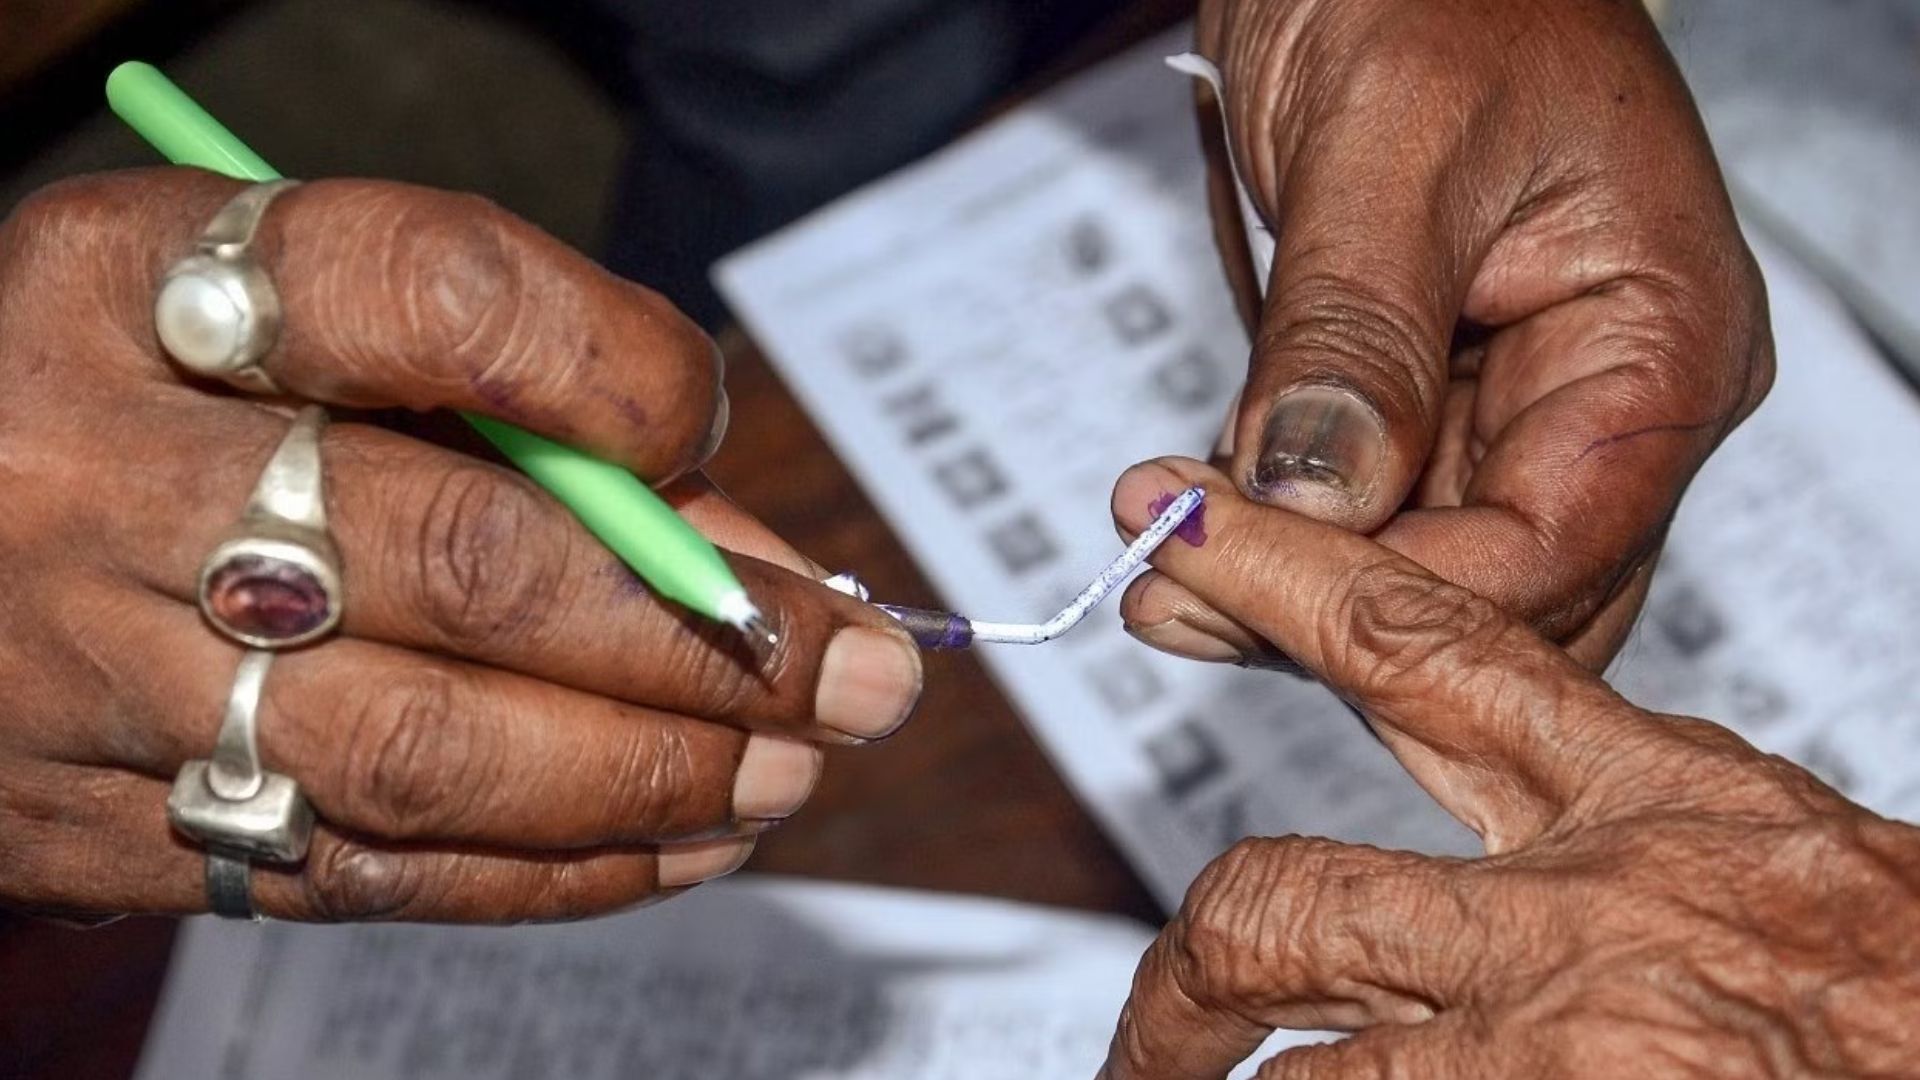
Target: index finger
point(1500, 726)
point(1305, 933)
point(395, 295)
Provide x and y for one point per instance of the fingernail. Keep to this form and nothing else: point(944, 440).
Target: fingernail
point(776, 775)
point(691, 864)
point(722, 416)
point(1410, 1013)
point(869, 682)
point(1179, 639)
point(1323, 435)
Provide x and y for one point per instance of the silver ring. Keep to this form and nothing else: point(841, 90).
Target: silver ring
point(217, 312)
point(229, 802)
point(274, 582)
point(230, 886)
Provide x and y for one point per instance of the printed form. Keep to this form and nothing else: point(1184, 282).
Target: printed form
point(989, 338)
point(747, 979)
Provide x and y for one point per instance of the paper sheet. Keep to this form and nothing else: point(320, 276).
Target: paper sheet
point(1812, 110)
point(989, 338)
point(747, 979)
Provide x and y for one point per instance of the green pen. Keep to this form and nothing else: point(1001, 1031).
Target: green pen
point(633, 521)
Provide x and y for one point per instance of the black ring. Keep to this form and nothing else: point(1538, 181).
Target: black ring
point(230, 885)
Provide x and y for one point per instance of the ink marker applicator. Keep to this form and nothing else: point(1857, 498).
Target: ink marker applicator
point(634, 522)
point(937, 630)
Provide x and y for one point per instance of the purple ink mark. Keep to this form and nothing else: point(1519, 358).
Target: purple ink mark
point(1193, 531)
point(631, 409)
point(626, 582)
point(1615, 440)
point(958, 635)
point(500, 398)
point(933, 629)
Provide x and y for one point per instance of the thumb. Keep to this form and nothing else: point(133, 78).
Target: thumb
point(1348, 376)
point(1375, 233)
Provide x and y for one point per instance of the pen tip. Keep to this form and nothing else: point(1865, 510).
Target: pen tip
point(760, 632)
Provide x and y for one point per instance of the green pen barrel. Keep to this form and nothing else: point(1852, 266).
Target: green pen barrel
point(177, 126)
point(626, 515)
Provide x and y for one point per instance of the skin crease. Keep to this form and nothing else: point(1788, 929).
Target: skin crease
point(1501, 227)
point(478, 740)
point(1658, 899)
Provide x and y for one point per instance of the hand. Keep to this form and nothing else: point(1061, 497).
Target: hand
point(1511, 312)
point(1658, 898)
point(507, 726)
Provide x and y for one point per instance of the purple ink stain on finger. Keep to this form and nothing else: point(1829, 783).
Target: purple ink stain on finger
point(496, 396)
point(1628, 436)
point(632, 410)
point(1192, 531)
point(625, 581)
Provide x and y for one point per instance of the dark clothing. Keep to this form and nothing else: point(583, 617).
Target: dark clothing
point(748, 113)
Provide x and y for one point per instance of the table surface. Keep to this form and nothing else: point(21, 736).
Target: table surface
point(961, 800)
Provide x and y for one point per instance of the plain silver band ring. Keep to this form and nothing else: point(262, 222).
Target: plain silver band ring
point(230, 885)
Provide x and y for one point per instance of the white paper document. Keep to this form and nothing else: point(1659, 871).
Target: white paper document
point(989, 338)
point(1822, 137)
point(747, 979)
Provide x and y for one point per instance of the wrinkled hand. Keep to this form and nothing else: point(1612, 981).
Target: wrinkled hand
point(1659, 899)
point(1511, 312)
point(508, 726)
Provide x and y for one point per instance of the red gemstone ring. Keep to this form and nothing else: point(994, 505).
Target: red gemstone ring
point(274, 582)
